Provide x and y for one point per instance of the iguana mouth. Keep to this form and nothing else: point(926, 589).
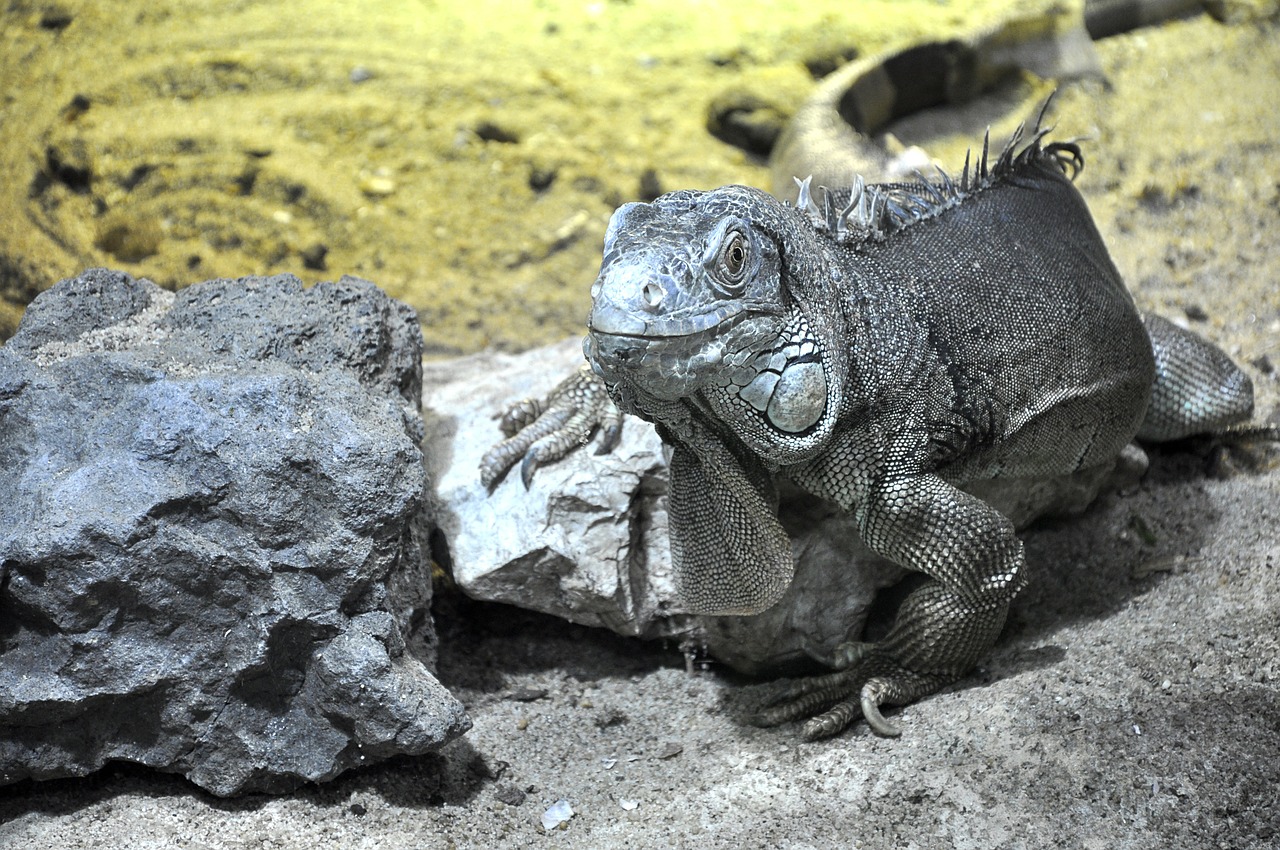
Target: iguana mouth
point(669, 366)
point(692, 326)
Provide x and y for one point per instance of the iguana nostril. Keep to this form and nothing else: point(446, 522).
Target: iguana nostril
point(653, 294)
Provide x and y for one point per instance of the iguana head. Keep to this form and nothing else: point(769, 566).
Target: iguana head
point(689, 286)
point(706, 319)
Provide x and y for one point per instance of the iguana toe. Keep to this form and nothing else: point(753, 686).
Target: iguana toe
point(807, 697)
point(539, 432)
point(835, 700)
point(835, 719)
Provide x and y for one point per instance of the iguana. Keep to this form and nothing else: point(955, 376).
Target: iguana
point(885, 347)
point(879, 348)
point(837, 131)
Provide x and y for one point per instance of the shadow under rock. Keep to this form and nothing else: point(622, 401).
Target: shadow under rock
point(66, 796)
point(451, 776)
point(481, 643)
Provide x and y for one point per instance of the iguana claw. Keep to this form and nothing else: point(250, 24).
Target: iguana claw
point(539, 432)
point(833, 701)
point(610, 434)
point(527, 467)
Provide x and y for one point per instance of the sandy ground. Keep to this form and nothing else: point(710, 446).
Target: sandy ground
point(1133, 701)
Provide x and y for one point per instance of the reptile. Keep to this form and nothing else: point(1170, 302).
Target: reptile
point(840, 128)
point(884, 347)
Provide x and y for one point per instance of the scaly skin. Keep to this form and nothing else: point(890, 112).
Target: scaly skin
point(880, 351)
point(835, 131)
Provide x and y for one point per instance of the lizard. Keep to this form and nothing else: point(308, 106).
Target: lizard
point(884, 347)
point(880, 348)
point(832, 135)
point(840, 127)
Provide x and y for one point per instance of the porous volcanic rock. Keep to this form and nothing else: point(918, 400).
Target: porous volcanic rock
point(211, 535)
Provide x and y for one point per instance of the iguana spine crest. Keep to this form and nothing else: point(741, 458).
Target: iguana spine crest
point(870, 213)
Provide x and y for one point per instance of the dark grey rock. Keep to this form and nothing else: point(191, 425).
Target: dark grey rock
point(211, 533)
point(588, 540)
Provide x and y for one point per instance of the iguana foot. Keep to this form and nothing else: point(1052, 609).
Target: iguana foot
point(538, 432)
point(833, 701)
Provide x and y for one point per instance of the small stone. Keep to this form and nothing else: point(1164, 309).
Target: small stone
point(540, 179)
point(1195, 313)
point(491, 132)
point(527, 694)
point(127, 238)
point(736, 57)
point(650, 185)
point(245, 181)
point(56, 18)
point(377, 186)
point(610, 717)
point(557, 815)
point(508, 794)
point(78, 105)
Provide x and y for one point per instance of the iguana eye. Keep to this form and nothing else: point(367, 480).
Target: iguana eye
point(734, 259)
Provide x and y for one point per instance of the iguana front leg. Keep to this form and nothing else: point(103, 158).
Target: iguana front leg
point(539, 432)
point(975, 566)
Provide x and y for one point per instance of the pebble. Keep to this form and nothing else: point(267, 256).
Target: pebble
point(377, 187)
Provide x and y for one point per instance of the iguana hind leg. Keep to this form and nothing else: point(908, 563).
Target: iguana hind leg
point(974, 562)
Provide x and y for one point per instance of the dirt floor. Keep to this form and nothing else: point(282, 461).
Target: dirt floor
point(467, 158)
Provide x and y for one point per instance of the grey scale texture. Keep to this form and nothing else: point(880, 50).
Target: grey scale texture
point(882, 351)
